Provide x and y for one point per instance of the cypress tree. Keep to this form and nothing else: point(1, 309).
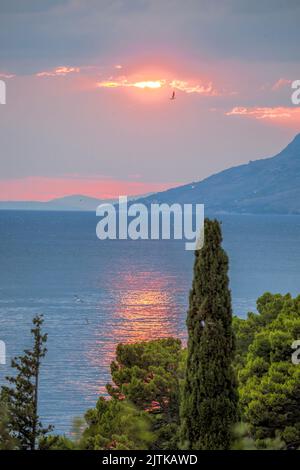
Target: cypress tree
point(22, 397)
point(209, 402)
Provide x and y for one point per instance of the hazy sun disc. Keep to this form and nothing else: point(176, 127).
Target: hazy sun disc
point(152, 84)
point(149, 84)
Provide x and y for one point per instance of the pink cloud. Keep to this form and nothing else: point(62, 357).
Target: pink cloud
point(282, 82)
point(269, 113)
point(188, 87)
point(61, 71)
point(6, 75)
point(44, 189)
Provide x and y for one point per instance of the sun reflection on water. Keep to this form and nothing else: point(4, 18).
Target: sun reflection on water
point(144, 307)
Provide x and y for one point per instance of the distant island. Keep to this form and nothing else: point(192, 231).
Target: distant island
point(266, 186)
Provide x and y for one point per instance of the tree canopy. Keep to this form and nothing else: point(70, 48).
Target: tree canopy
point(143, 411)
point(269, 381)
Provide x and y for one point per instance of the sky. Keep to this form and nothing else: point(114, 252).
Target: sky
point(88, 87)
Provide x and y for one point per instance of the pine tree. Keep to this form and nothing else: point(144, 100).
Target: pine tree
point(22, 397)
point(7, 442)
point(209, 402)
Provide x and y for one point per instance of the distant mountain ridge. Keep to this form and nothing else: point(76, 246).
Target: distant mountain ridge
point(68, 203)
point(267, 186)
point(75, 202)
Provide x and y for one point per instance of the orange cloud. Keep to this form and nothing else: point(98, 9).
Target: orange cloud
point(181, 85)
point(58, 72)
point(268, 113)
point(187, 87)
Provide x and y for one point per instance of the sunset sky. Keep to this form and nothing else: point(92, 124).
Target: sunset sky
point(88, 107)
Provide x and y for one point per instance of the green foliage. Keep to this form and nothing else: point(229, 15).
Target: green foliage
point(21, 397)
point(117, 425)
point(209, 407)
point(269, 381)
point(78, 426)
point(58, 442)
point(243, 440)
point(55, 442)
point(268, 307)
point(146, 375)
point(7, 442)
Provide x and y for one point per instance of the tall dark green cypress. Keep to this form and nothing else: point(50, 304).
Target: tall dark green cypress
point(209, 402)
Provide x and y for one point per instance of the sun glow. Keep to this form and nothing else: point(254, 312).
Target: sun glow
point(150, 84)
point(184, 86)
point(154, 83)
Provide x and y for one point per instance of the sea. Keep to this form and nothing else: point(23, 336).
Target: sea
point(95, 294)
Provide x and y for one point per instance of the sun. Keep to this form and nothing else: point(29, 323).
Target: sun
point(153, 84)
point(127, 83)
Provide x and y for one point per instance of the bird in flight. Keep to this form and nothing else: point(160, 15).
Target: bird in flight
point(173, 96)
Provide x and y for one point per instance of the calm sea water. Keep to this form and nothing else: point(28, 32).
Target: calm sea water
point(95, 294)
